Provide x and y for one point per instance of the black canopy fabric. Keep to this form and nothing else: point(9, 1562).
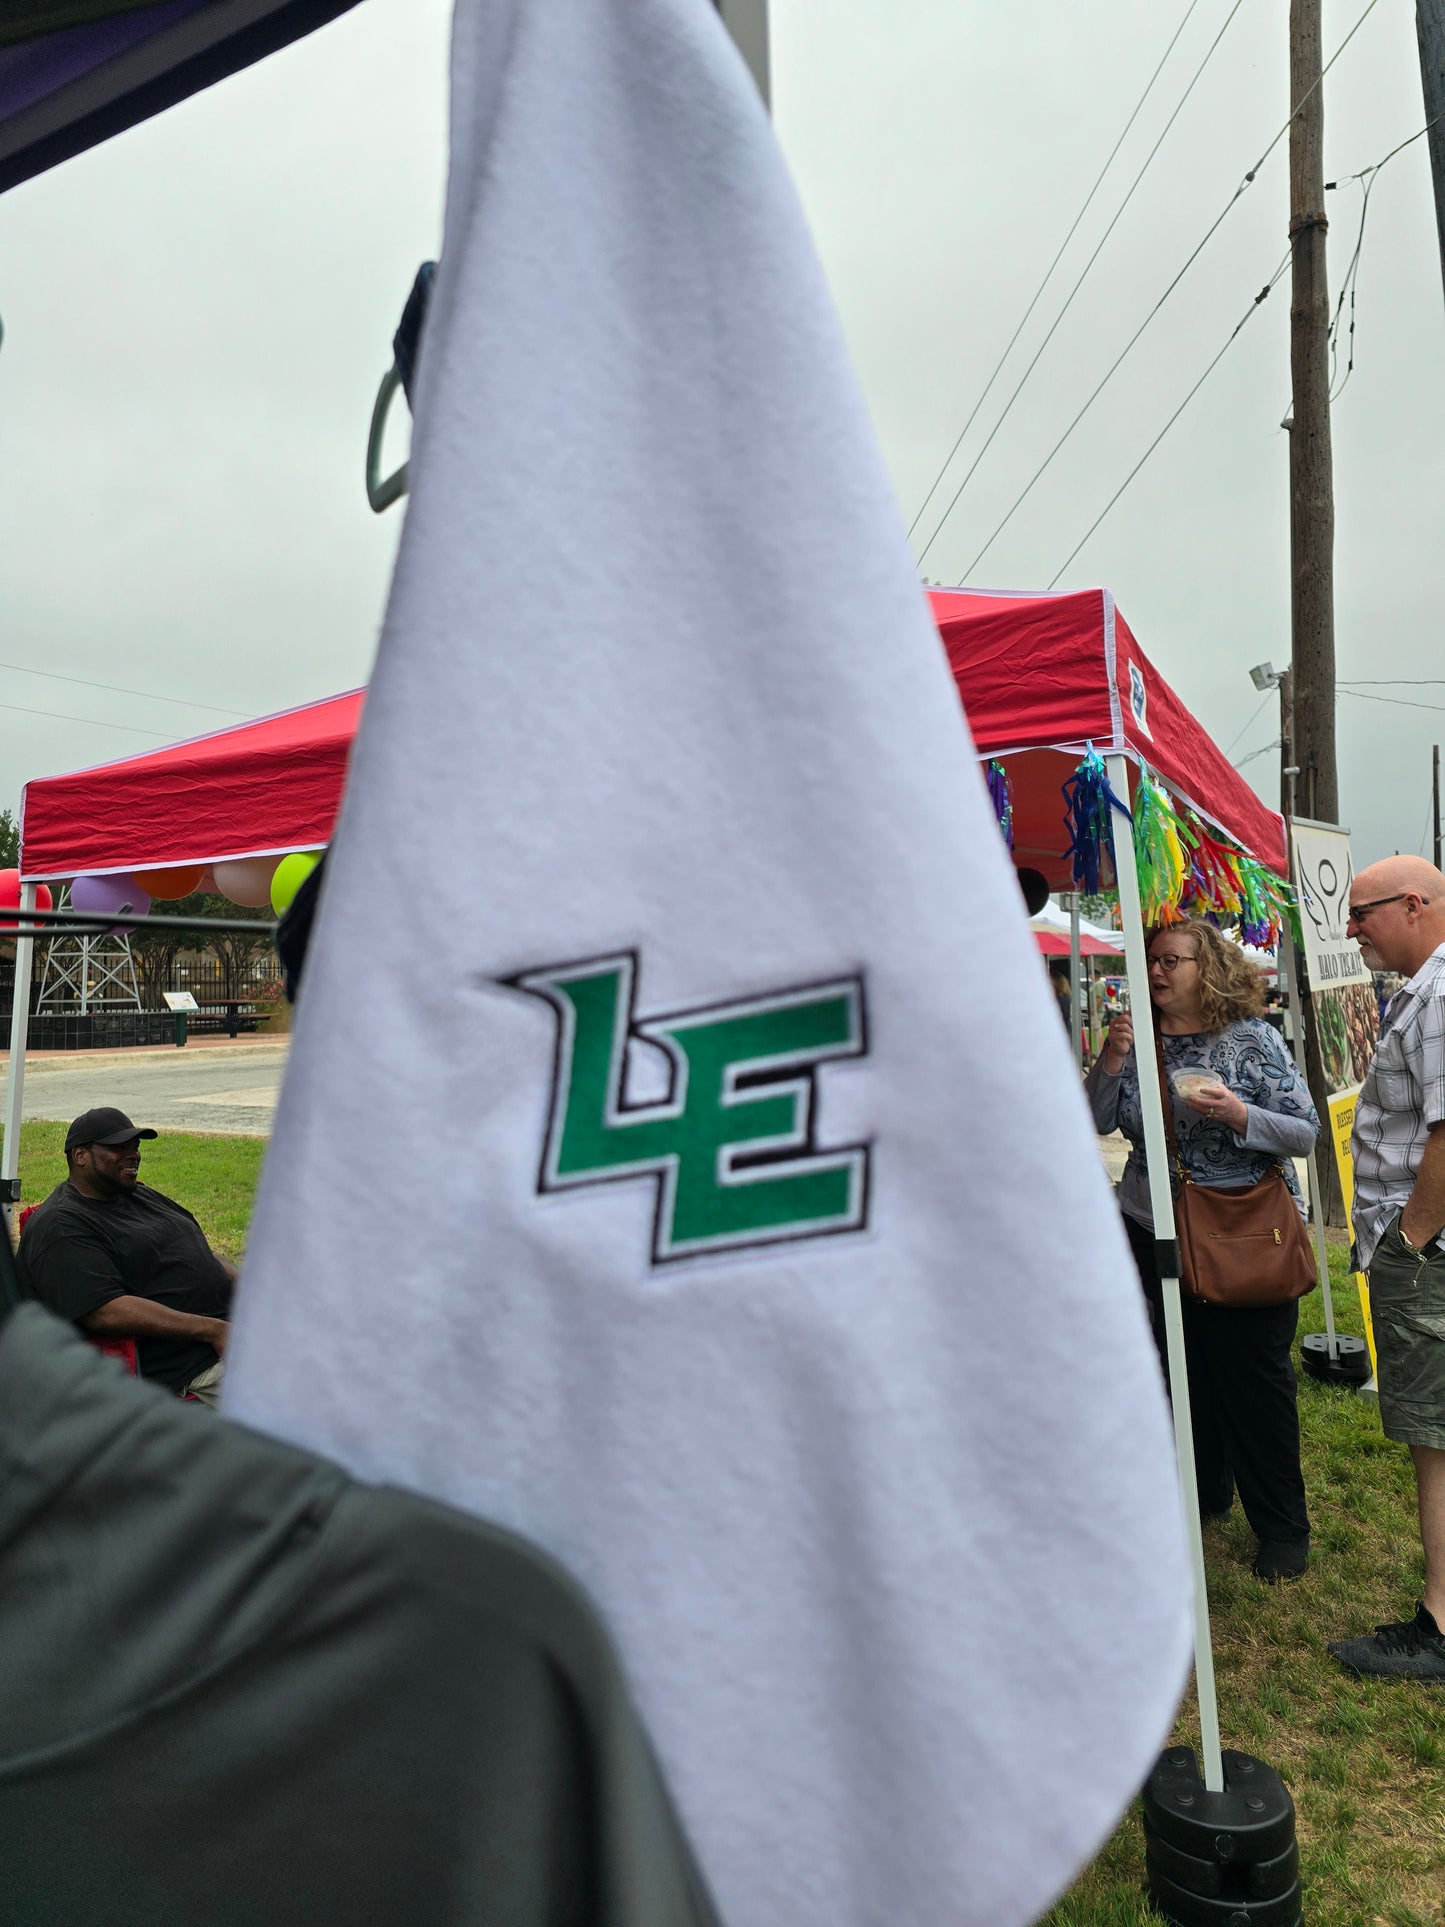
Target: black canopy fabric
point(74, 72)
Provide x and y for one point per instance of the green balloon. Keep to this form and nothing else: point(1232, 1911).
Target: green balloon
point(291, 873)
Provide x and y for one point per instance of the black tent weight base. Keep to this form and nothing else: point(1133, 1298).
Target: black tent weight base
point(1350, 1367)
point(1220, 1859)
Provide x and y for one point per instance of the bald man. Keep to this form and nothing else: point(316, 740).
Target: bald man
point(1397, 916)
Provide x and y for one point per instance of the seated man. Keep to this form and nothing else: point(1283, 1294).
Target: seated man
point(121, 1261)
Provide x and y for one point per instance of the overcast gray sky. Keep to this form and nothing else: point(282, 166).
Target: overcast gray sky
point(198, 312)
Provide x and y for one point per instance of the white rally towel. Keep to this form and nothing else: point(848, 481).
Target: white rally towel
point(662, 1171)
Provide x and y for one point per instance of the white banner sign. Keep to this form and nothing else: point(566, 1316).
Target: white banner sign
point(1340, 986)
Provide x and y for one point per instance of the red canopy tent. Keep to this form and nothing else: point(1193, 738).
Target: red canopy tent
point(260, 789)
point(1054, 943)
point(1042, 676)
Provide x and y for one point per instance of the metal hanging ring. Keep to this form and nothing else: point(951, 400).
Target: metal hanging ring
point(382, 493)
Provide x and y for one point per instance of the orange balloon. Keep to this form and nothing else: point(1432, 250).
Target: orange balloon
point(170, 884)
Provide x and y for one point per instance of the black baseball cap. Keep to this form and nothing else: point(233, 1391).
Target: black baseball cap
point(104, 1125)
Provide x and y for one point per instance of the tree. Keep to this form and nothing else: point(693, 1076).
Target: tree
point(155, 949)
point(237, 953)
point(155, 952)
point(9, 841)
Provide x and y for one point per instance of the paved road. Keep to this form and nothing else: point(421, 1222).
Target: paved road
point(230, 1088)
point(220, 1088)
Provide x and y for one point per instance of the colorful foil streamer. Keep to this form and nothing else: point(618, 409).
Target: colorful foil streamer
point(1185, 870)
point(1159, 852)
point(1001, 792)
point(1088, 806)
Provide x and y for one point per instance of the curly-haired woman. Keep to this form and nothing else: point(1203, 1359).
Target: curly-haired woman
point(1242, 1392)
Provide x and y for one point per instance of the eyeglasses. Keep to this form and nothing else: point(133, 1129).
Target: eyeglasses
point(1359, 911)
point(1170, 960)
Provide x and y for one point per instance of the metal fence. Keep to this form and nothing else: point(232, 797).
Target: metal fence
point(244, 1004)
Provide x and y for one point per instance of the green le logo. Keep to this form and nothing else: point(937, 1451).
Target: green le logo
point(731, 1147)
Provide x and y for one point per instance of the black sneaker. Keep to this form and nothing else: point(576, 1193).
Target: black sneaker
point(1281, 1559)
point(1409, 1649)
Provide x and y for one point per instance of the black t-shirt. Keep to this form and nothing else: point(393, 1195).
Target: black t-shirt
point(77, 1252)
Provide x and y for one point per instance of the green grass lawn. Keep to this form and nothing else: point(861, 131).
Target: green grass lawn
point(215, 1177)
point(1364, 1762)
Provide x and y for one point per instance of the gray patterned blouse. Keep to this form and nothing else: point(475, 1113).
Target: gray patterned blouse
point(1254, 1061)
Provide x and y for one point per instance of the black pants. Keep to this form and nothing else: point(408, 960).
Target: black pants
point(1242, 1399)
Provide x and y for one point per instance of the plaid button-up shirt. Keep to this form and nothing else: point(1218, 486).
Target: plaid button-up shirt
point(1402, 1096)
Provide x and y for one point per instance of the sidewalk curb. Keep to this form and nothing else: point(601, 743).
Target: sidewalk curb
point(143, 1053)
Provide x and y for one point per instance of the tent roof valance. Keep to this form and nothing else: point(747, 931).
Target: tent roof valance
point(1043, 676)
point(258, 789)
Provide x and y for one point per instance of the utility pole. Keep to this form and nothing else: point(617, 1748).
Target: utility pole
point(747, 22)
point(1312, 499)
point(1436, 786)
point(1430, 31)
point(1311, 480)
point(1288, 767)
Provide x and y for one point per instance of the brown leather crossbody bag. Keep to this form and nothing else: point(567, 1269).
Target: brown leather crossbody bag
point(1244, 1245)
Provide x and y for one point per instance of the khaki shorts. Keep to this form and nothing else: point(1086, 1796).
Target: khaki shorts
point(1407, 1304)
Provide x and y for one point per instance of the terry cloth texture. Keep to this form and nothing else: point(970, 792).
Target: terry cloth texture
point(235, 1687)
point(754, 1256)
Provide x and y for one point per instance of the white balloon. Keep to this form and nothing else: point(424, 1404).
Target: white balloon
point(247, 880)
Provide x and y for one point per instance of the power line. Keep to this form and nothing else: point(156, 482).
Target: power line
point(1398, 701)
point(1251, 309)
point(1375, 166)
point(1068, 303)
point(1393, 682)
point(1049, 271)
point(96, 722)
point(1263, 750)
point(1209, 234)
point(1253, 719)
point(115, 689)
point(1349, 285)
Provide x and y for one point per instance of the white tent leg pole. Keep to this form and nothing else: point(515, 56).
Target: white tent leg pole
point(15, 1070)
point(1156, 1152)
point(1075, 985)
point(1317, 1199)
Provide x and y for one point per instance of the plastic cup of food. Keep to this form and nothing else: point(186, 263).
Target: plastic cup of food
point(1192, 1082)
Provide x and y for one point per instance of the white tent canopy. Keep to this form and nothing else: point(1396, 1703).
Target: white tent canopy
point(1055, 919)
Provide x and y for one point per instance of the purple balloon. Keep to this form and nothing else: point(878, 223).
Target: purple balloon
point(100, 896)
